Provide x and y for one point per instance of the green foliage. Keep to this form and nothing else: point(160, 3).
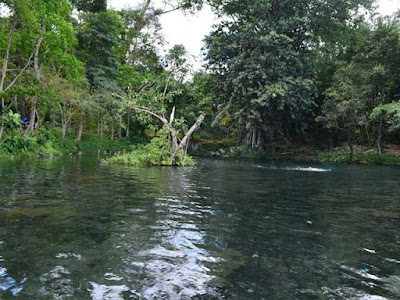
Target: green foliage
point(360, 90)
point(343, 157)
point(391, 112)
point(98, 43)
point(46, 142)
point(90, 5)
point(140, 38)
point(157, 153)
point(264, 59)
point(11, 121)
point(12, 140)
point(344, 104)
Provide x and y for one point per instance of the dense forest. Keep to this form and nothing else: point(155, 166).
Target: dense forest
point(77, 76)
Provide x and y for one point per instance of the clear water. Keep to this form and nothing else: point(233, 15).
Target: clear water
point(73, 229)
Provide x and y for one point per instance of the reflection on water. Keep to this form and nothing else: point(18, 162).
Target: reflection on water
point(10, 284)
point(71, 229)
point(171, 259)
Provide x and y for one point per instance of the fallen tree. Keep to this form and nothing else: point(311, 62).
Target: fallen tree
point(166, 149)
point(176, 145)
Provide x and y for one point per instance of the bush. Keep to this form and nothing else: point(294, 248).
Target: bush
point(157, 153)
point(361, 158)
point(50, 142)
point(382, 159)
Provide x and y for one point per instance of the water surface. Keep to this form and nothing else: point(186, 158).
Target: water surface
point(73, 229)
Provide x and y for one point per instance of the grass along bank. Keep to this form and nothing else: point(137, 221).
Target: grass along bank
point(341, 155)
point(48, 143)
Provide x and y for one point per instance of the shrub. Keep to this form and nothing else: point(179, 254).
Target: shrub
point(362, 158)
point(157, 153)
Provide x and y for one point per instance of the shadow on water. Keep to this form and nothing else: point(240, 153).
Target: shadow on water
point(72, 229)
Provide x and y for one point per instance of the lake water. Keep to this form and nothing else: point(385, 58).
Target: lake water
point(73, 229)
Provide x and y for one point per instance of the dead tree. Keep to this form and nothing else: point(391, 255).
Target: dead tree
point(176, 145)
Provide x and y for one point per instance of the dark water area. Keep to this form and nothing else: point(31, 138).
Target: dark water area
point(73, 229)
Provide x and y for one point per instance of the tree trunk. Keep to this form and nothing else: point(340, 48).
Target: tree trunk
point(127, 127)
point(379, 138)
point(64, 130)
point(367, 134)
point(63, 124)
point(80, 130)
point(112, 129)
point(36, 55)
point(260, 140)
point(53, 118)
point(351, 147)
point(101, 127)
point(254, 143)
point(65, 121)
point(185, 149)
point(69, 124)
point(4, 73)
point(174, 139)
point(139, 25)
point(32, 119)
point(36, 68)
point(184, 144)
point(37, 120)
point(120, 131)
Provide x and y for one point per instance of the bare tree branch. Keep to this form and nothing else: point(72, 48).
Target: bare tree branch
point(162, 119)
point(6, 58)
point(187, 136)
point(20, 74)
point(171, 118)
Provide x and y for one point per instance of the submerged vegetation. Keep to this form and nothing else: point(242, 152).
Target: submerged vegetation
point(78, 76)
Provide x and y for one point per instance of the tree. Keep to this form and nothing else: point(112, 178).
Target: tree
point(153, 99)
point(39, 35)
point(344, 107)
point(93, 6)
point(390, 112)
point(376, 55)
point(99, 40)
point(371, 79)
point(263, 55)
point(70, 97)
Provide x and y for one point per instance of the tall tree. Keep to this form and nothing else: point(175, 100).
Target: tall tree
point(98, 42)
point(40, 36)
point(264, 54)
point(90, 5)
point(371, 79)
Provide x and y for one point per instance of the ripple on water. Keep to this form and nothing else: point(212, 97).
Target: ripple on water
point(109, 292)
point(57, 283)
point(69, 255)
point(8, 283)
point(175, 266)
point(224, 230)
point(350, 294)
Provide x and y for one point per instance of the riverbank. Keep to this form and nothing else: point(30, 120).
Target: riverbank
point(50, 143)
point(47, 143)
point(340, 155)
